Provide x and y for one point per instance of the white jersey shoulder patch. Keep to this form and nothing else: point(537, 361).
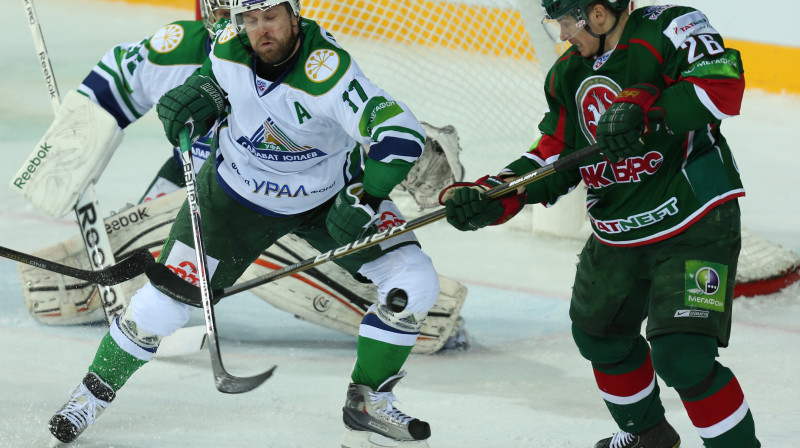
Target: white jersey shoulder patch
point(227, 34)
point(321, 65)
point(167, 39)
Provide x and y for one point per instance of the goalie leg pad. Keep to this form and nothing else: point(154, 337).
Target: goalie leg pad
point(409, 269)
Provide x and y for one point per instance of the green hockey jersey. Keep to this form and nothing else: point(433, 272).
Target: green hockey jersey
point(687, 167)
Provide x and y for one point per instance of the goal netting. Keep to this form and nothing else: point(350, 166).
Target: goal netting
point(479, 66)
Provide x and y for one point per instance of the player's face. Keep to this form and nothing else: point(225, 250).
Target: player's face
point(597, 22)
point(586, 43)
point(272, 33)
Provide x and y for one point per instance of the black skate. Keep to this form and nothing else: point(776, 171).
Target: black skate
point(663, 435)
point(88, 401)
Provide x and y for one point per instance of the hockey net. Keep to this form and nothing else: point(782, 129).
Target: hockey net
point(479, 66)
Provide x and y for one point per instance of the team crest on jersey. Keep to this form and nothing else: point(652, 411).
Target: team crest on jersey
point(321, 65)
point(227, 34)
point(270, 143)
point(167, 39)
point(594, 96)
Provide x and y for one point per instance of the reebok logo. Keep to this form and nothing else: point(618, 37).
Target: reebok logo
point(32, 164)
point(691, 313)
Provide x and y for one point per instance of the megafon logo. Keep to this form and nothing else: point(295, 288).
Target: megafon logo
point(707, 280)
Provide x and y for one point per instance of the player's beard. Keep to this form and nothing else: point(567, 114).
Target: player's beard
point(281, 49)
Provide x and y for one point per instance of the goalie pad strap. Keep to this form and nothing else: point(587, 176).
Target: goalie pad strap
point(71, 155)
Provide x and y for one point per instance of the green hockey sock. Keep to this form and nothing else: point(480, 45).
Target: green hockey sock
point(377, 361)
point(113, 364)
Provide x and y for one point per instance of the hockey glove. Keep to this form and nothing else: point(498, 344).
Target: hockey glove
point(630, 116)
point(467, 208)
point(197, 103)
point(353, 214)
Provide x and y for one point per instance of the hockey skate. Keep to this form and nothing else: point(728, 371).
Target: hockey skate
point(88, 401)
point(373, 422)
point(663, 435)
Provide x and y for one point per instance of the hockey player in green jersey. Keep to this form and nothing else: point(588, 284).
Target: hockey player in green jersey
point(651, 88)
point(289, 159)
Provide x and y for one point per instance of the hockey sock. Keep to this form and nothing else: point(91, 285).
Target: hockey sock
point(377, 361)
point(113, 364)
point(630, 389)
point(719, 412)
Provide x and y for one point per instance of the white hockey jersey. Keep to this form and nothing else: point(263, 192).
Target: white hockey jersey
point(292, 144)
point(131, 77)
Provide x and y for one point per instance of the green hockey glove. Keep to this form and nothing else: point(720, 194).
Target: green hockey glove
point(467, 208)
point(353, 214)
point(197, 103)
point(631, 116)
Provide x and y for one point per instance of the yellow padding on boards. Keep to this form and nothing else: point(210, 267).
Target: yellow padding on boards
point(494, 31)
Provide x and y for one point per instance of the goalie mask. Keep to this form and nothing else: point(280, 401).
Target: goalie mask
point(207, 9)
point(239, 7)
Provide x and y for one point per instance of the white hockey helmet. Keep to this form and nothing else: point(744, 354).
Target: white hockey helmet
point(239, 7)
point(207, 8)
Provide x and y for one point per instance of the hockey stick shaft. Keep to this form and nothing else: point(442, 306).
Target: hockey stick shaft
point(224, 381)
point(563, 163)
point(126, 269)
point(41, 50)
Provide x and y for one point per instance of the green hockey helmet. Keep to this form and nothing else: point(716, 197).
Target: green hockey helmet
point(563, 19)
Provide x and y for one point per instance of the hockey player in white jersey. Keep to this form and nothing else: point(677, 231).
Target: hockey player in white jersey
point(288, 159)
point(125, 85)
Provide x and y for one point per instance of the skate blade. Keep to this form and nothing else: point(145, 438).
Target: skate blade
point(366, 439)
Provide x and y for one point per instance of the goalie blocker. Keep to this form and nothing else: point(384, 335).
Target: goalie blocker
point(72, 154)
point(326, 295)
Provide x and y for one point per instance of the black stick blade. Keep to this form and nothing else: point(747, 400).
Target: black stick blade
point(133, 265)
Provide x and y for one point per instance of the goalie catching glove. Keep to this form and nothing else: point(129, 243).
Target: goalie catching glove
point(627, 119)
point(468, 208)
point(197, 103)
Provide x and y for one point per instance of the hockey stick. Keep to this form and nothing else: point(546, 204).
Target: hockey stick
point(95, 238)
point(128, 268)
point(44, 59)
point(563, 163)
point(225, 382)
